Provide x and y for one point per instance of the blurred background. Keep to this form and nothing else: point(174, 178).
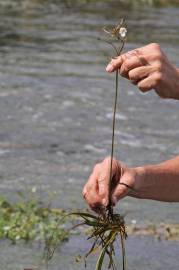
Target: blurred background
point(56, 105)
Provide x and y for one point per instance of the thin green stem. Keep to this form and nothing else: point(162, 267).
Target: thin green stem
point(110, 208)
point(121, 48)
point(112, 145)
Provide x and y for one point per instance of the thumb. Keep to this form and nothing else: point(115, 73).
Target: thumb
point(122, 189)
point(114, 64)
point(120, 192)
point(104, 178)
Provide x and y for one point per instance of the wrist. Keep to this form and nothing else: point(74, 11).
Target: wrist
point(148, 182)
point(139, 181)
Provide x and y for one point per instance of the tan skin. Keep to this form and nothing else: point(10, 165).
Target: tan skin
point(148, 68)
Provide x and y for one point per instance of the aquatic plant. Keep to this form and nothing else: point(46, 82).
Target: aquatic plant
point(107, 226)
point(30, 219)
point(104, 233)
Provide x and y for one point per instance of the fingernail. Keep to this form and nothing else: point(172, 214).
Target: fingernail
point(109, 67)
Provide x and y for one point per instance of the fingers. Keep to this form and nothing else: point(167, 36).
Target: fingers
point(104, 177)
point(136, 58)
point(139, 73)
point(130, 64)
point(116, 63)
point(127, 62)
point(96, 191)
point(90, 191)
point(125, 185)
point(120, 192)
point(150, 82)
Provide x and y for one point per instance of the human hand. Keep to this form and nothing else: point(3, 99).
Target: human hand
point(148, 68)
point(96, 191)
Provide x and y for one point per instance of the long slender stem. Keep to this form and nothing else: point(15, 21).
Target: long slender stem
point(110, 208)
point(112, 144)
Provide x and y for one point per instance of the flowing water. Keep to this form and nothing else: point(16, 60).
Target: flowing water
point(56, 111)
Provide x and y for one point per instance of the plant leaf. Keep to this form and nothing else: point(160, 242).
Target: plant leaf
point(100, 260)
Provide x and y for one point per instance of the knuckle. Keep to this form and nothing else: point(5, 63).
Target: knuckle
point(124, 69)
point(158, 77)
point(159, 66)
point(155, 46)
point(159, 56)
point(124, 57)
point(107, 161)
point(128, 63)
point(96, 167)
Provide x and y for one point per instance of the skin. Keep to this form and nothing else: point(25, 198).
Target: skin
point(148, 68)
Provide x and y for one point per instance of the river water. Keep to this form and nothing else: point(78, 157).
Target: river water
point(56, 107)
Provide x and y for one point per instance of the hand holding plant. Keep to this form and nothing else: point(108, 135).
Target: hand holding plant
point(148, 68)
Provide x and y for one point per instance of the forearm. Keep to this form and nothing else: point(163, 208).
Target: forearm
point(158, 182)
point(171, 86)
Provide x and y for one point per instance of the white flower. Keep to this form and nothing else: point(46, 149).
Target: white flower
point(122, 32)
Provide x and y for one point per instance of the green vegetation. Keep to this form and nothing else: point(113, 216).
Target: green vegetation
point(104, 232)
point(29, 220)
